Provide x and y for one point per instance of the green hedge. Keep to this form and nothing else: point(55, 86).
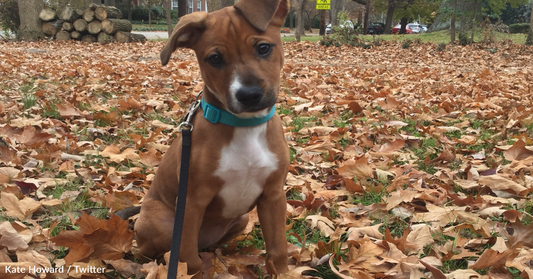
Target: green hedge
point(519, 28)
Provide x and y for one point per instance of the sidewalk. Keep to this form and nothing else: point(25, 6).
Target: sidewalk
point(152, 35)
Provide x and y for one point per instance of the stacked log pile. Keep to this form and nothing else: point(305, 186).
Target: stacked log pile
point(97, 23)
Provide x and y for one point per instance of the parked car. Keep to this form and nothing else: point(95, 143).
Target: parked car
point(424, 28)
point(417, 29)
point(376, 28)
point(397, 28)
point(347, 24)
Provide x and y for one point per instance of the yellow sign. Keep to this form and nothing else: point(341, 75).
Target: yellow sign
point(323, 4)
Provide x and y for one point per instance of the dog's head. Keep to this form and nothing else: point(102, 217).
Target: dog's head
point(239, 50)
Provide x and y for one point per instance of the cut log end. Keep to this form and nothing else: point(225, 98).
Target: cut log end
point(47, 15)
point(63, 35)
point(104, 38)
point(88, 39)
point(100, 13)
point(94, 27)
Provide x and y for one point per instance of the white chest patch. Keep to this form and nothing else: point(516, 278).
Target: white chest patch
point(245, 164)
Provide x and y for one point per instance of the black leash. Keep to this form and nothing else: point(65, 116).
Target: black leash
point(186, 128)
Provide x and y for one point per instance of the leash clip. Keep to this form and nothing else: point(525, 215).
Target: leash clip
point(186, 124)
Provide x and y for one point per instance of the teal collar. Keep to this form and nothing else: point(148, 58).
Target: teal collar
point(217, 115)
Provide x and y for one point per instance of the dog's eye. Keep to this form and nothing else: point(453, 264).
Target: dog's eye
point(264, 49)
point(215, 59)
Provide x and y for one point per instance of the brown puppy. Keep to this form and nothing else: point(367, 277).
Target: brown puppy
point(232, 169)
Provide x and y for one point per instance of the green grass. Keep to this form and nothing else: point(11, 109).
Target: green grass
point(312, 39)
point(444, 37)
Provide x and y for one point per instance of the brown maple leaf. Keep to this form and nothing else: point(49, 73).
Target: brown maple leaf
point(112, 241)
point(517, 152)
point(519, 233)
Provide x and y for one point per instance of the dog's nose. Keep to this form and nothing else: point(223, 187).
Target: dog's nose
point(249, 95)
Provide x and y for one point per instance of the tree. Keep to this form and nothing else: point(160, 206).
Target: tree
point(336, 7)
point(300, 6)
point(182, 8)
point(529, 40)
point(465, 10)
point(213, 5)
point(30, 24)
point(150, 13)
point(226, 3)
point(167, 15)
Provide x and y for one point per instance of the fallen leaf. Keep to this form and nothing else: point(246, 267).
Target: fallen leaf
point(20, 209)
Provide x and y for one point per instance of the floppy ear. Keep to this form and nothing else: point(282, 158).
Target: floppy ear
point(185, 34)
point(261, 13)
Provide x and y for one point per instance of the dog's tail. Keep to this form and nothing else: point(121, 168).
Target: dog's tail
point(128, 212)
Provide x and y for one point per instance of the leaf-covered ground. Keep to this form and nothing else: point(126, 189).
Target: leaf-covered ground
point(406, 162)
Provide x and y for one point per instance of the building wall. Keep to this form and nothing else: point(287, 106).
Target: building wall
point(192, 5)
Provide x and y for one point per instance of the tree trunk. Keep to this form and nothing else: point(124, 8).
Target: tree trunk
point(322, 30)
point(300, 4)
point(529, 39)
point(452, 23)
point(473, 25)
point(390, 12)
point(367, 15)
point(47, 14)
point(403, 23)
point(129, 9)
point(291, 20)
point(30, 24)
point(182, 8)
point(111, 26)
point(167, 15)
point(150, 13)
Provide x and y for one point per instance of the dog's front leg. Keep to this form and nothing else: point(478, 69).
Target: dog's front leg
point(271, 209)
point(194, 212)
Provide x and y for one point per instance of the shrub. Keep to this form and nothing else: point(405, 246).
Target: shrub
point(9, 16)
point(141, 13)
point(463, 39)
point(328, 41)
point(376, 41)
point(519, 28)
point(345, 35)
